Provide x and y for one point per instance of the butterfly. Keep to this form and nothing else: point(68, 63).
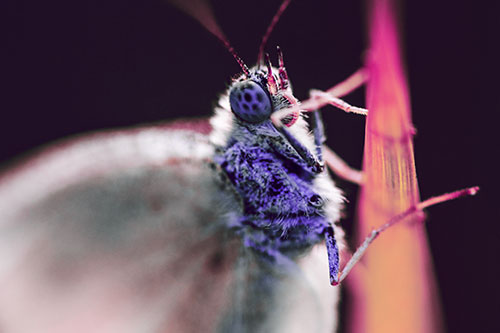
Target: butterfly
point(126, 231)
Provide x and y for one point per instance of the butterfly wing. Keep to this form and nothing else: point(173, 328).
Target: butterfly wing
point(127, 232)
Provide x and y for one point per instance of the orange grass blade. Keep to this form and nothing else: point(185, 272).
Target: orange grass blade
point(396, 290)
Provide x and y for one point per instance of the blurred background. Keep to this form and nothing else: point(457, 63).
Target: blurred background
point(70, 68)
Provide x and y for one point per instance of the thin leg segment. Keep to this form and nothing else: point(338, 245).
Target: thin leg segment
point(316, 165)
point(319, 134)
point(332, 95)
point(360, 251)
point(341, 168)
point(319, 99)
point(333, 255)
point(334, 162)
point(323, 98)
point(353, 82)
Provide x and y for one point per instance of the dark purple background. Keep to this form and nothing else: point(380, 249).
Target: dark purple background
point(74, 67)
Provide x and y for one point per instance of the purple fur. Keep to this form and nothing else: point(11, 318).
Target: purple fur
point(283, 216)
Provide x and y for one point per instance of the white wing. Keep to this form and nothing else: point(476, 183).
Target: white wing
point(126, 232)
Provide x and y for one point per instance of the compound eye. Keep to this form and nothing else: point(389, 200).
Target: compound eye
point(250, 102)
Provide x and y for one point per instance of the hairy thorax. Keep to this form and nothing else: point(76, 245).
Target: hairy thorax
point(281, 209)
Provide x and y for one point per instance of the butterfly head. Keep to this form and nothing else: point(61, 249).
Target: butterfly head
point(260, 92)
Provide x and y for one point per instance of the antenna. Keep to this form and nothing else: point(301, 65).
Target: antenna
point(275, 20)
point(202, 12)
point(231, 50)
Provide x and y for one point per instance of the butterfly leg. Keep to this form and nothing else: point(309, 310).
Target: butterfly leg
point(418, 208)
point(324, 98)
point(332, 95)
point(333, 161)
point(311, 161)
point(319, 134)
point(333, 255)
point(341, 168)
point(353, 82)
